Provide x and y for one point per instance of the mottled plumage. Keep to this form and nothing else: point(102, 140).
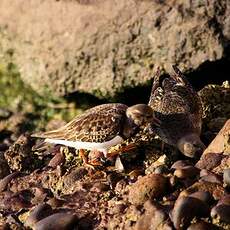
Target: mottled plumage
point(101, 127)
point(177, 105)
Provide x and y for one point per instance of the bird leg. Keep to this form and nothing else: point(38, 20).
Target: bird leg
point(121, 150)
point(84, 158)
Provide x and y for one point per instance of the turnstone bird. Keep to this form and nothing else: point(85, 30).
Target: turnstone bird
point(101, 127)
point(178, 107)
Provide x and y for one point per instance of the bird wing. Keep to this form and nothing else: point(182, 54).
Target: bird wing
point(98, 124)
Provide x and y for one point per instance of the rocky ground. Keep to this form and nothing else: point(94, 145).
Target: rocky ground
point(149, 188)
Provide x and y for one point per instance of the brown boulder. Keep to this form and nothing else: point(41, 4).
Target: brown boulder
point(101, 47)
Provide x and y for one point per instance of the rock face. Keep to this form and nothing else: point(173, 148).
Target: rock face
point(101, 47)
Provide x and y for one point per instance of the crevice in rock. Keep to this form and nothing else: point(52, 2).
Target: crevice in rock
point(208, 73)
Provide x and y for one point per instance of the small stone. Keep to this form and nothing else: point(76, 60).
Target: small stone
point(62, 221)
point(185, 209)
point(58, 159)
point(180, 164)
point(161, 169)
point(203, 196)
point(226, 177)
point(221, 213)
point(186, 172)
point(212, 178)
point(148, 187)
point(6, 180)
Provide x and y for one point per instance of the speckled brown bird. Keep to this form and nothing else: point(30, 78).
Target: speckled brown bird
point(177, 105)
point(102, 127)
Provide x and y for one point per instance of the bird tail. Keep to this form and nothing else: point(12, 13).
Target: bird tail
point(179, 76)
point(156, 84)
point(55, 134)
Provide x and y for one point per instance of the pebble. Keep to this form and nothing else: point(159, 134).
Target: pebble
point(212, 178)
point(187, 172)
point(203, 196)
point(39, 212)
point(226, 177)
point(58, 159)
point(185, 209)
point(6, 180)
point(180, 164)
point(161, 169)
point(221, 213)
point(148, 187)
point(63, 221)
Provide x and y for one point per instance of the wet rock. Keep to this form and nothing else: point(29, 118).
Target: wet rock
point(6, 180)
point(203, 196)
point(202, 225)
point(39, 212)
point(187, 172)
point(152, 218)
point(62, 221)
point(226, 177)
point(148, 187)
point(124, 39)
point(185, 209)
point(221, 213)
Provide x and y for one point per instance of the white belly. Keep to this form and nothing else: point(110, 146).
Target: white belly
point(103, 147)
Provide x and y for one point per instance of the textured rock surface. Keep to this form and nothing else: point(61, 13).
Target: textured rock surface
point(101, 47)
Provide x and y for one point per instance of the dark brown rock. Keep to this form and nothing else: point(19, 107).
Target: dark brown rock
point(203, 196)
point(185, 209)
point(104, 46)
point(6, 180)
point(187, 172)
point(221, 213)
point(226, 177)
point(148, 187)
point(62, 221)
point(39, 212)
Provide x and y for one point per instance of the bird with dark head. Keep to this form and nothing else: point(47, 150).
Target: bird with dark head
point(178, 107)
